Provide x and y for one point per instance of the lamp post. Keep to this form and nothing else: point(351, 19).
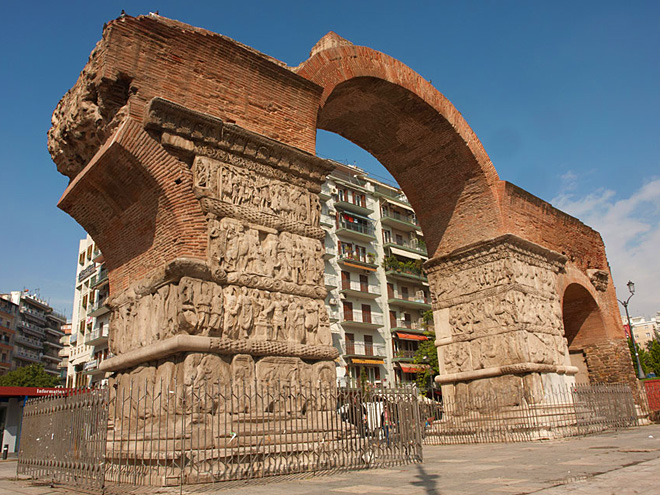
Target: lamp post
point(631, 288)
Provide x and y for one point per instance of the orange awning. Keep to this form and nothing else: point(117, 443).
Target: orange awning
point(360, 267)
point(411, 336)
point(413, 368)
point(367, 361)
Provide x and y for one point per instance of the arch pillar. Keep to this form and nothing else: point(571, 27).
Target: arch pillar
point(498, 320)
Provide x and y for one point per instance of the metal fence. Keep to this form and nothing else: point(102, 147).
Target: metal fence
point(158, 434)
point(555, 413)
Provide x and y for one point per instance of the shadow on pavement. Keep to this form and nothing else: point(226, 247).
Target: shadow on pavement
point(427, 481)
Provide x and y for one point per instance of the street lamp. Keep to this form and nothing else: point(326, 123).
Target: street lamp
point(631, 288)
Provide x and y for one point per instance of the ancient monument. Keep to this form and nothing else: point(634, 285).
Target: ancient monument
point(191, 159)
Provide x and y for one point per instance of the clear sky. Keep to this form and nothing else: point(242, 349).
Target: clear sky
point(564, 96)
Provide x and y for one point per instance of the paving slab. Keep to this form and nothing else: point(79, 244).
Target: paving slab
point(621, 462)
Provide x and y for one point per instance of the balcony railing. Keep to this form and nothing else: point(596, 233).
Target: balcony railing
point(348, 256)
point(407, 297)
point(29, 341)
point(400, 217)
point(358, 316)
point(357, 286)
point(98, 334)
point(35, 314)
point(405, 354)
point(27, 355)
point(408, 324)
point(360, 228)
point(30, 327)
point(413, 245)
point(364, 349)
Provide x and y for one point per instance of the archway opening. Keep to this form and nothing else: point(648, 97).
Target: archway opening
point(583, 325)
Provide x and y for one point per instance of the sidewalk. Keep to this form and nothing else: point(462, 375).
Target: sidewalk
point(624, 462)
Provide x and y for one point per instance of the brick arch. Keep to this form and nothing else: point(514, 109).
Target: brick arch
point(581, 314)
point(389, 110)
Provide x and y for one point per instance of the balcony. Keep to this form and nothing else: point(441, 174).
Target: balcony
point(99, 308)
point(51, 358)
point(402, 272)
point(400, 324)
point(35, 315)
point(31, 328)
point(358, 319)
point(26, 355)
point(355, 206)
point(415, 247)
point(359, 289)
point(59, 317)
point(406, 356)
point(358, 231)
point(29, 342)
point(393, 196)
point(353, 260)
point(405, 300)
point(101, 278)
point(399, 221)
point(325, 193)
point(360, 349)
point(97, 336)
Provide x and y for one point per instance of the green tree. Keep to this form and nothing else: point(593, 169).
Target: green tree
point(651, 358)
point(427, 354)
point(33, 375)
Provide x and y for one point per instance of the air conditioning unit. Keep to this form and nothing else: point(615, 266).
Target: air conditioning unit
point(333, 190)
point(332, 301)
point(420, 294)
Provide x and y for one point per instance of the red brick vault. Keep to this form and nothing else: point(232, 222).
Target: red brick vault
point(189, 152)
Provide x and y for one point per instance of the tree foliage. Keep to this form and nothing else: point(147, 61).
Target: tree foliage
point(33, 375)
point(649, 357)
point(427, 354)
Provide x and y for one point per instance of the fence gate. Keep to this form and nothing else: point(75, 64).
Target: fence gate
point(64, 438)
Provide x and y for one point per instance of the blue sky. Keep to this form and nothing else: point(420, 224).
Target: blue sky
point(563, 95)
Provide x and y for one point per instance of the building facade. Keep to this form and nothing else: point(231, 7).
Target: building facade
point(37, 335)
point(645, 331)
point(8, 318)
point(378, 292)
point(88, 343)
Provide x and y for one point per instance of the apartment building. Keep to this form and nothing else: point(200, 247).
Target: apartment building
point(8, 318)
point(378, 291)
point(38, 332)
point(88, 343)
point(644, 330)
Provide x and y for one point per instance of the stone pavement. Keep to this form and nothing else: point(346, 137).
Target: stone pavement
point(624, 462)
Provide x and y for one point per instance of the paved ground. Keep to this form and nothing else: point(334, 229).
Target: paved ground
point(625, 462)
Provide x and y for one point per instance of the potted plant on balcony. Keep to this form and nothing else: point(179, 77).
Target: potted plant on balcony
point(371, 257)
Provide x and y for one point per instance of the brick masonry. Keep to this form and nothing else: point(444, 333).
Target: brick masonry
point(135, 197)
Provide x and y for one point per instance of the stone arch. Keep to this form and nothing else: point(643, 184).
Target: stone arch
point(389, 110)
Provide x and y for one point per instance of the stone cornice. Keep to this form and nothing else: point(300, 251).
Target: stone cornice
point(205, 130)
point(509, 242)
point(214, 345)
point(508, 369)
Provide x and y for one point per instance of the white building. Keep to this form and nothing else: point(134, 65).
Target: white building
point(89, 324)
point(377, 289)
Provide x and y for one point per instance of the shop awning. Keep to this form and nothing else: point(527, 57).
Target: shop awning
point(413, 368)
point(407, 254)
point(411, 336)
point(367, 361)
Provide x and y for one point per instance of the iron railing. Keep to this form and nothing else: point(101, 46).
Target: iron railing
point(520, 417)
point(152, 433)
